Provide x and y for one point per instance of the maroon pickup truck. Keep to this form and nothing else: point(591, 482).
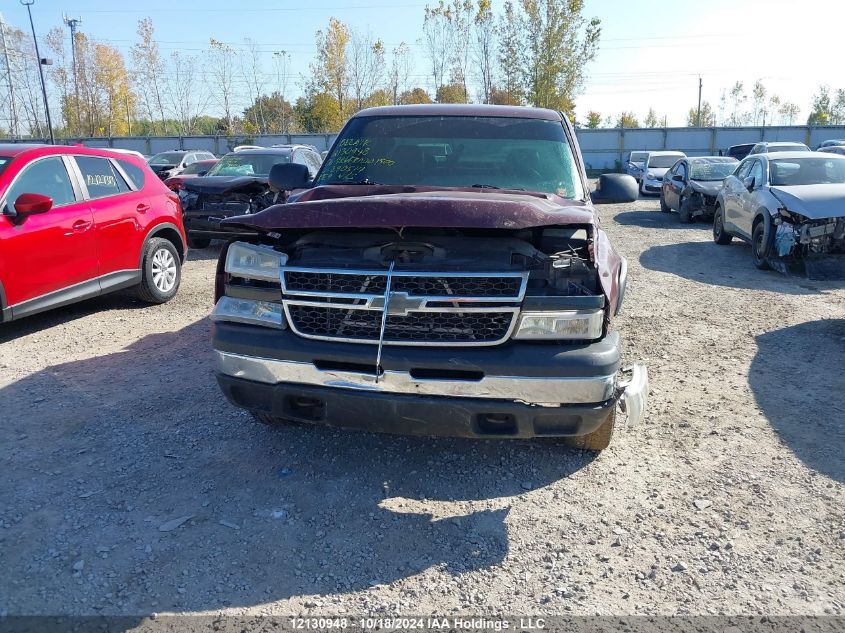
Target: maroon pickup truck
point(443, 274)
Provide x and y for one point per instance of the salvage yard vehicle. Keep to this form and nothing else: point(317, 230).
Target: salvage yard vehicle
point(691, 186)
point(79, 222)
point(173, 163)
point(833, 149)
point(444, 274)
point(791, 207)
point(768, 147)
point(634, 167)
point(739, 151)
point(198, 168)
point(655, 166)
point(238, 184)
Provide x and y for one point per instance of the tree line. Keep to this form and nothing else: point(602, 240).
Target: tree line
point(532, 52)
point(737, 108)
point(524, 52)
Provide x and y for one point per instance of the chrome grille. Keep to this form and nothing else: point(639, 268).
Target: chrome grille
point(423, 307)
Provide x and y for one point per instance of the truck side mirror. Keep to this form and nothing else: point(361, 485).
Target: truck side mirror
point(615, 188)
point(289, 176)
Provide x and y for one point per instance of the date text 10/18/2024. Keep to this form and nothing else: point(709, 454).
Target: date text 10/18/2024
point(418, 623)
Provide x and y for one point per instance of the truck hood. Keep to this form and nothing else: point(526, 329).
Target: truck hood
point(222, 184)
point(418, 207)
point(815, 202)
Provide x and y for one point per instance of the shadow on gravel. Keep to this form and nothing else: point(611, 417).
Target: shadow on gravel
point(798, 380)
point(101, 454)
point(728, 266)
point(205, 254)
point(657, 220)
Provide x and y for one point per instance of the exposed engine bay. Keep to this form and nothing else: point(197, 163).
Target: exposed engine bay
point(818, 245)
point(245, 199)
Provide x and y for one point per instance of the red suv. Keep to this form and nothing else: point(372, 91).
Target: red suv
point(78, 222)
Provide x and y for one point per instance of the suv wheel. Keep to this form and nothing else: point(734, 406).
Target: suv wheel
point(161, 272)
point(720, 235)
point(760, 247)
point(597, 440)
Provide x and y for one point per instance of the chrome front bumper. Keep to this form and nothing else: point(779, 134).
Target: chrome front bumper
point(538, 391)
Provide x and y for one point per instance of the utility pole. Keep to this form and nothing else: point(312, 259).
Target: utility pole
point(12, 106)
point(698, 118)
point(28, 4)
point(72, 23)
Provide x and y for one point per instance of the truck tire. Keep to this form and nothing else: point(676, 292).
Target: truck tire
point(597, 440)
point(161, 271)
point(272, 420)
point(198, 242)
point(720, 235)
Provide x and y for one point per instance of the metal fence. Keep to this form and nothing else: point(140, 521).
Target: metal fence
point(604, 149)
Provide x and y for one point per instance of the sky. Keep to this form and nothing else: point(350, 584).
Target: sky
point(650, 55)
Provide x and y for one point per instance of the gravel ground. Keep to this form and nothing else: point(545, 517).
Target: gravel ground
point(130, 486)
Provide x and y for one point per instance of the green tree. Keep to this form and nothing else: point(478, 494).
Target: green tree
point(593, 119)
point(277, 114)
point(415, 95)
point(453, 92)
point(651, 118)
point(789, 112)
point(628, 120)
point(559, 45)
point(319, 113)
point(330, 69)
point(708, 117)
point(504, 97)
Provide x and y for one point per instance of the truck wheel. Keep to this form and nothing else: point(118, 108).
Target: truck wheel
point(684, 212)
point(720, 235)
point(664, 208)
point(597, 440)
point(161, 272)
point(759, 247)
point(198, 242)
point(272, 420)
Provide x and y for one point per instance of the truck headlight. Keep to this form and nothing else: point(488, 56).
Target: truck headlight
point(565, 325)
point(254, 261)
point(248, 311)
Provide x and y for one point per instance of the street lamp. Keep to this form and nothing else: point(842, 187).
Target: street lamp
point(42, 61)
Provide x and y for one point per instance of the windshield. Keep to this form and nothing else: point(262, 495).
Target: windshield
point(197, 167)
point(637, 157)
point(4, 162)
point(455, 151)
point(716, 170)
point(241, 164)
point(806, 171)
point(787, 148)
point(167, 158)
point(663, 162)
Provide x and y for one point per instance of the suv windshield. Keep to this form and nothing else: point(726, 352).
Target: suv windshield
point(240, 164)
point(715, 170)
point(806, 171)
point(167, 158)
point(455, 151)
point(663, 162)
point(196, 167)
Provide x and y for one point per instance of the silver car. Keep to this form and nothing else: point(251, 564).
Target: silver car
point(790, 206)
point(634, 167)
point(769, 147)
point(655, 166)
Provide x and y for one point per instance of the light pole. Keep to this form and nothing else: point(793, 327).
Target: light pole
point(72, 23)
point(41, 61)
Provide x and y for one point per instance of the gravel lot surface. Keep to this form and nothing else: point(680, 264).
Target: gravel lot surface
point(130, 486)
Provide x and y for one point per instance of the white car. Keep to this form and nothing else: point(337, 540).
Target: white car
point(655, 166)
point(767, 147)
point(790, 206)
point(634, 167)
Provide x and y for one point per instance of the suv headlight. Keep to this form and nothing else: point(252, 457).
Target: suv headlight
point(564, 325)
point(254, 262)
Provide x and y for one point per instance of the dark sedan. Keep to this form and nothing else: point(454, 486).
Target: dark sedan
point(691, 186)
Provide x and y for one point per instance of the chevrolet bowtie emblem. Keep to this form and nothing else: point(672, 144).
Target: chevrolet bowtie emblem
point(398, 303)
